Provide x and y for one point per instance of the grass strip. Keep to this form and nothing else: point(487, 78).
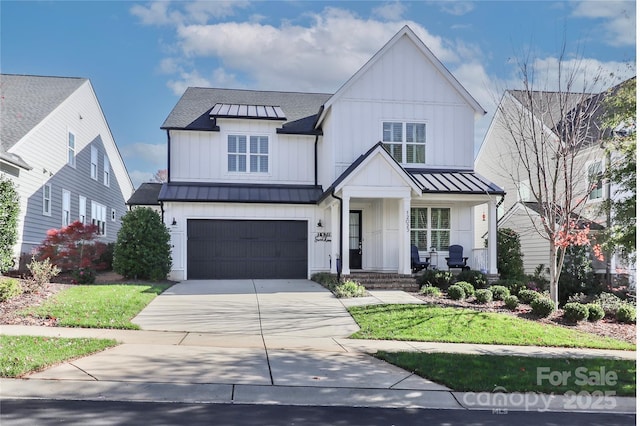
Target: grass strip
point(491, 373)
point(20, 355)
point(98, 306)
point(428, 323)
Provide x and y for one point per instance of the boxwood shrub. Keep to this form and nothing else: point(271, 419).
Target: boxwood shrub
point(467, 287)
point(9, 288)
point(484, 295)
point(542, 307)
point(499, 292)
point(432, 291)
point(511, 302)
point(527, 296)
point(575, 312)
point(456, 292)
point(596, 313)
point(626, 313)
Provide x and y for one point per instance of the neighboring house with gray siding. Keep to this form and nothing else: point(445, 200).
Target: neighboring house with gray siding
point(56, 145)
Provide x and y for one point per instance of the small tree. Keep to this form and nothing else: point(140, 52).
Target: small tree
point(142, 250)
point(73, 247)
point(509, 254)
point(9, 208)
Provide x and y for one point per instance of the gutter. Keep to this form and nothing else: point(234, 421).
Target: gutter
point(315, 161)
point(168, 156)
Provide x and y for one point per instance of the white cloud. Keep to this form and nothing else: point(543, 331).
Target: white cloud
point(149, 153)
point(199, 12)
point(187, 79)
point(455, 7)
point(390, 11)
point(139, 176)
point(618, 19)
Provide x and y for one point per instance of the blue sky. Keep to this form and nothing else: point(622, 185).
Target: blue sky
point(140, 56)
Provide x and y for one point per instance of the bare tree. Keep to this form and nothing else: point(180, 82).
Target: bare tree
point(550, 123)
point(160, 176)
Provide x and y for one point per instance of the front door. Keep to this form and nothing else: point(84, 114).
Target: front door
point(355, 239)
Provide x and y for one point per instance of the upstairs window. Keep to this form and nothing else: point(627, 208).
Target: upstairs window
point(94, 163)
point(82, 209)
point(66, 208)
point(255, 154)
point(46, 199)
point(106, 179)
point(594, 180)
point(406, 142)
point(71, 150)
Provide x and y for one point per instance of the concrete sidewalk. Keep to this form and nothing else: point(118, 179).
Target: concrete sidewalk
point(256, 349)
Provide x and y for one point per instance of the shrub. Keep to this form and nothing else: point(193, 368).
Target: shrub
point(435, 278)
point(73, 247)
point(542, 306)
point(609, 302)
point(431, 291)
point(510, 263)
point(527, 296)
point(41, 273)
point(467, 287)
point(511, 302)
point(538, 281)
point(579, 298)
point(484, 295)
point(476, 278)
point(499, 292)
point(142, 249)
point(84, 276)
point(575, 312)
point(349, 288)
point(596, 313)
point(626, 313)
point(324, 278)
point(9, 209)
point(9, 288)
point(456, 292)
point(577, 274)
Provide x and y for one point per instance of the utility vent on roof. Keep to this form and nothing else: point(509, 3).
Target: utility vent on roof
point(262, 112)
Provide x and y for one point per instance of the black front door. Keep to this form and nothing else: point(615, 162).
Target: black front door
point(355, 239)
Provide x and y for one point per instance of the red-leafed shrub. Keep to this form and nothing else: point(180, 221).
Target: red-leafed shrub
point(74, 247)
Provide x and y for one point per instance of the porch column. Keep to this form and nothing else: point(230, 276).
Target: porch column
point(404, 230)
point(335, 236)
point(492, 238)
point(345, 234)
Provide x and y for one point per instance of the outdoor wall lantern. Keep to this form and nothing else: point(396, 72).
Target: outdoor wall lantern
point(320, 223)
point(174, 223)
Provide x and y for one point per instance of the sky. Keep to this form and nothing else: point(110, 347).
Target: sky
point(141, 56)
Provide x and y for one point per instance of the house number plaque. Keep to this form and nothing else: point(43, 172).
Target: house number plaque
point(323, 236)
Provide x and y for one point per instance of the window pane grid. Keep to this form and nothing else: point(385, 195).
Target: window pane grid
point(257, 155)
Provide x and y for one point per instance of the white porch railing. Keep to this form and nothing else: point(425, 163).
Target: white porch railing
point(479, 260)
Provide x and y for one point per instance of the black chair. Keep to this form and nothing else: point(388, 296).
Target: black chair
point(416, 264)
point(455, 259)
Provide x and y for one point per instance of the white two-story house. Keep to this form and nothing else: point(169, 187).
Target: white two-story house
point(265, 184)
point(57, 148)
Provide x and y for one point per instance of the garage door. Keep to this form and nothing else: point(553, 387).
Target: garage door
point(233, 249)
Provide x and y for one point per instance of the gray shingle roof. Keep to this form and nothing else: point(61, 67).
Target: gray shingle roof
point(146, 195)
point(192, 110)
point(25, 100)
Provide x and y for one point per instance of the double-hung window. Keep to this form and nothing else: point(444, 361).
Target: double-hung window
point(94, 163)
point(106, 179)
point(594, 180)
point(406, 142)
point(431, 227)
point(46, 199)
point(66, 208)
point(71, 149)
point(99, 217)
point(82, 209)
point(255, 154)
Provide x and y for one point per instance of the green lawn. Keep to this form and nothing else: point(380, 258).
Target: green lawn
point(489, 373)
point(23, 354)
point(430, 323)
point(98, 306)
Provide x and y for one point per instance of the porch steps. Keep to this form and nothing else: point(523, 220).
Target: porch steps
point(383, 281)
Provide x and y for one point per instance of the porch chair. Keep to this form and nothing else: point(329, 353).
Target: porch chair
point(416, 264)
point(455, 259)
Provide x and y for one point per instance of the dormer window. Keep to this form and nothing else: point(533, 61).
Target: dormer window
point(406, 142)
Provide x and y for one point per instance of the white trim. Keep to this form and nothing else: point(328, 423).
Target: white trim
point(587, 181)
point(82, 209)
point(70, 133)
point(66, 207)
point(94, 162)
point(45, 211)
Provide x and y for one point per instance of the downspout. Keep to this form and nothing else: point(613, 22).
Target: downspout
point(339, 260)
point(315, 161)
point(162, 211)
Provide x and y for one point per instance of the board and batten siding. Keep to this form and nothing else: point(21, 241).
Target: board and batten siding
point(45, 148)
point(318, 251)
point(198, 156)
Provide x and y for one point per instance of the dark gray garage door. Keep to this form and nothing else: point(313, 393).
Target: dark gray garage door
point(231, 249)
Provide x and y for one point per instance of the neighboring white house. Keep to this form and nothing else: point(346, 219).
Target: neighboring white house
point(498, 159)
point(265, 184)
point(56, 145)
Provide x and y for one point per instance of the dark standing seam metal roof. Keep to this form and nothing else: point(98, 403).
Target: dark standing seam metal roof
point(26, 100)
point(264, 112)
point(192, 110)
point(454, 182)
point(240, 193)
